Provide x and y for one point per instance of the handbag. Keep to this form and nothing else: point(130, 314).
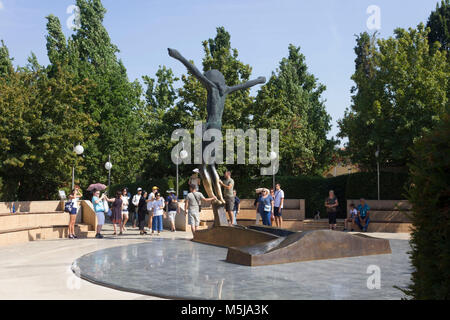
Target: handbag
point(68, 206)
point(105, 206)
point(267, 208)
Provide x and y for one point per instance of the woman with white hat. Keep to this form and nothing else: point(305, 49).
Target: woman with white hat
point(195, 180)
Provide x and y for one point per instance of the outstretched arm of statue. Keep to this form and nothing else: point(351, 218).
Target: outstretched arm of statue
point(247, 85)
point(193, 69)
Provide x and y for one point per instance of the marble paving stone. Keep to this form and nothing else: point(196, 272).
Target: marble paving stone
point(181, 269)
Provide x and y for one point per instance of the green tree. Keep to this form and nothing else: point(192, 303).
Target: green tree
point(400, 94)
point(113, 102)
point(6, 65)
point(439, 24)
point(429, 195)
point(36, 130)
point(162, 117)
point(291, 102)
point(219, 55)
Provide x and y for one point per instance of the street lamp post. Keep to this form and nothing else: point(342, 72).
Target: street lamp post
point(183, 155)
point(108, 166)
point(79, 151)
point(377, 155)
point(273, 157)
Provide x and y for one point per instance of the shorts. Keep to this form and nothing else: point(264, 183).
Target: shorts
point(278, 212)
point(74, 212)
point(171, 215)
point(125, 213)
point(150, 213)
point(332, 217)
point(194, 219)
point(100, 218)
point(229, 204)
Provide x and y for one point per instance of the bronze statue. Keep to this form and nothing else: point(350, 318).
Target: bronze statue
point(214, 81)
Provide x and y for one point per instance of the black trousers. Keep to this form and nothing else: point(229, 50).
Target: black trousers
point(141, 219)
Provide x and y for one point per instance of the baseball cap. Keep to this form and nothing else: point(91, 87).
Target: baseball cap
point(196, 170)
point(155, 188)
point(139, 189)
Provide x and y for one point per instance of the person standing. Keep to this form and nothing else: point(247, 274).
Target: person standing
point(99, 209)
point(74, 197)
point(258, 217)
point(125, 214)
point(331, 204)
point(192, 207)
point(158, 212)
point(142, 211)
point(116, 216)
point(135, 202)
point(172, 208)
point(265, 207)
point(195, 180)
point(151, 198)
point(228, 195)
point(278, 206)
point(236, 208)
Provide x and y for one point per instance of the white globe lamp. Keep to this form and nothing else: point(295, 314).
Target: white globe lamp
point(108, 166)
point(183, 154)
point(273, 156)
point(79, 150)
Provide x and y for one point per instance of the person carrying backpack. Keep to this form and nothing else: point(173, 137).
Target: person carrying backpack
point(192, 207)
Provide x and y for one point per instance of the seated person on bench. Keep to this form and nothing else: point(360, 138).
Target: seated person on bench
point(363, 220)
point(351, 219)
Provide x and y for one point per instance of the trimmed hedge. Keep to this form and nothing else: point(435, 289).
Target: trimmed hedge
point(313, 189)
point(430, 198)
point(364, 185)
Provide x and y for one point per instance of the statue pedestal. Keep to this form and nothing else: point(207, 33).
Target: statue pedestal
point(260, 245)
point(220, 216)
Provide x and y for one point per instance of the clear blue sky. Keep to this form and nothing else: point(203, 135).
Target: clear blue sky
point(261, 30)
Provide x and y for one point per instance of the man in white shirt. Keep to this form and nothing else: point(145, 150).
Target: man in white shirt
point(278, 206)
point(135, 202)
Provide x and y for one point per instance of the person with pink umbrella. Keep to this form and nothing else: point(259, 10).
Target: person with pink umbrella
point(99, 209)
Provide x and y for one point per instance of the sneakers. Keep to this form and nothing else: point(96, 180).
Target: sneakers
point(98, 236)
point(71, 236)
point(345, 230)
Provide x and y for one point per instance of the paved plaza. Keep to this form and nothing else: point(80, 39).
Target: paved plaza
point(170, 266)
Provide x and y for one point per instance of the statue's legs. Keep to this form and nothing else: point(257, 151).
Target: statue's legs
point(206, 181)
point(211, 183)
point(215, 182)
point(209, 175)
